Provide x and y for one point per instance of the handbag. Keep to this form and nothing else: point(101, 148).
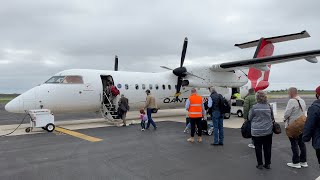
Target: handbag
point(246, 129)
point(276, 126)
point(295, 129)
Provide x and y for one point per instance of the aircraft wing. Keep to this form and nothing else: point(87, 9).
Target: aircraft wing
point(262, 63)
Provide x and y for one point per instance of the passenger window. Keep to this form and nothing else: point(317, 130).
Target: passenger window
point(163, 87)
point(137, 86)
point(169, 87)
point(156, 86)
point(150, 86)
point(55, 79)
point(143, 86)
point(175, 86)
point(73, 80)
point(126, 86)
point(119, 86)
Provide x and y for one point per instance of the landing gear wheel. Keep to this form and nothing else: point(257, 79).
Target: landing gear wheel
point(28, 129)
point(240, 114)
point(50, 127)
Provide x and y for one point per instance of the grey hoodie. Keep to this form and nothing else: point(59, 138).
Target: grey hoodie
point(261, 117)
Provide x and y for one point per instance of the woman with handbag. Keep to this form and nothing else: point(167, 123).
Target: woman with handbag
point(261, 117)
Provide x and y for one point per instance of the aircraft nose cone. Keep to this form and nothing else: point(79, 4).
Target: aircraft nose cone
point(13, 106)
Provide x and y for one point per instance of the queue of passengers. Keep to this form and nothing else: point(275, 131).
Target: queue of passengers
point(259, 113)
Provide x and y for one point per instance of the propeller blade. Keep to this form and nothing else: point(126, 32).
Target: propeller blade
point(116, 61)
point(184, 50)
point(179, 84)
point(164, 67)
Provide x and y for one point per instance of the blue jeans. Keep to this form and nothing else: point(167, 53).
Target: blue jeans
point(217, 120)
point(150, 120)
point(296, 144)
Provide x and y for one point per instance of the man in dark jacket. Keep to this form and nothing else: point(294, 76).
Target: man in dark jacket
point(312, 126)
point(123, 108)
point(217, 117)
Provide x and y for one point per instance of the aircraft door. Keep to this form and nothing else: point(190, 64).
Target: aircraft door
point(107, 83)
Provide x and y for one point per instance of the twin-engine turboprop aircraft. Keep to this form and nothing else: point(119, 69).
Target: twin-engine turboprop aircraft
point(82, 90)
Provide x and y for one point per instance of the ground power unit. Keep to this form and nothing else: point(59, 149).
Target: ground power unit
point(41, 118)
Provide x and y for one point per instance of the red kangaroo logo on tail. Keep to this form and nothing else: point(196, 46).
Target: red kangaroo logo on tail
point(259, 79)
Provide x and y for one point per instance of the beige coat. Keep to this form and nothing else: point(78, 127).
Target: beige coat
point(150, 102)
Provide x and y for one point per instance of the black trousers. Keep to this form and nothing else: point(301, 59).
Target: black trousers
point(265, 143)
point(193, 122)
point(296, 144)
point(318, 155)
point(143, 124)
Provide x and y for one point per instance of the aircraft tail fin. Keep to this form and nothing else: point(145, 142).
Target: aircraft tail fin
point(260, 79)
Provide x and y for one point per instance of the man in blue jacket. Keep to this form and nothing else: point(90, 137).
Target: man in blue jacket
point(312, 126)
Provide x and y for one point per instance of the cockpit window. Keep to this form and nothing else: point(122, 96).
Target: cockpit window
point(65, 80)
point(73, 80)
point(55, 79)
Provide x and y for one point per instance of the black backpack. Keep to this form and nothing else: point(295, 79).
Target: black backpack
point(224, 105)
point(246, 129)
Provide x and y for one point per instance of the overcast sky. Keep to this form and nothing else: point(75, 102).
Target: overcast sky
point(41, 38)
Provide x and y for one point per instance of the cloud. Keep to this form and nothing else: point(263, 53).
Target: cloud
point(41, 38)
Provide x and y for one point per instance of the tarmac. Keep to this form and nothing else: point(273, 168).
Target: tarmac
point(128, 153)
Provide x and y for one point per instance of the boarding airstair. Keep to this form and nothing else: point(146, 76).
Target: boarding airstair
point(108, 109)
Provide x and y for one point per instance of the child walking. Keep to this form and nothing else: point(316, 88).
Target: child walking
point(143, 118)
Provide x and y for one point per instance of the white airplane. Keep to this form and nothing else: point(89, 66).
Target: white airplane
point(81, 90)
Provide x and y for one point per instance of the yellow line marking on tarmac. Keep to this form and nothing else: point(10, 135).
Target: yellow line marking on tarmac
point(78, 135)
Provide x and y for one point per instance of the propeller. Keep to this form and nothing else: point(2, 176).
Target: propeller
point(181, 71)
point(116, 61)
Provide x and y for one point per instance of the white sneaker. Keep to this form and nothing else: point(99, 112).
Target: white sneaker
point(251, 146)
point(142, 129)
point(298, 166)
point(318, 178)
point(305, 164)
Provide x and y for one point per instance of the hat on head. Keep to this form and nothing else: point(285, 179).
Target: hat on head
point(318, 90)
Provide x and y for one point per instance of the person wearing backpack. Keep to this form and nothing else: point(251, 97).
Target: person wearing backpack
point(214, 102)
point(262, 118)
point(249, 101)
point(312, 126)
point(295, 108)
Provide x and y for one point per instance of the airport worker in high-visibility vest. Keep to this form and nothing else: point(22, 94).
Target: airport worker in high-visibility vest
point(196, 111)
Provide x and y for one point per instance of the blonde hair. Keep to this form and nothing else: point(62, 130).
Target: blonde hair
point(261, 97)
